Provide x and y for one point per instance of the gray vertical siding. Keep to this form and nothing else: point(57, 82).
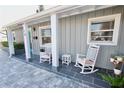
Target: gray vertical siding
point(77, 34)
point(83, 34)
point(74, 36)
point(60, 38)
point(63, 29)
point(67, 36)
point(19, 36)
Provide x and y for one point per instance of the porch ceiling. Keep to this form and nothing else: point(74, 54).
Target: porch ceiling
point(83, 9)
point(38, 20)
point(62, 11)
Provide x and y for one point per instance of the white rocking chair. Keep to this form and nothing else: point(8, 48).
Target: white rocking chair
point(88, 62)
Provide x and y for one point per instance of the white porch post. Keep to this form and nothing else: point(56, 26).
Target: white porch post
point(10, 43)
point(26, 42)
point(54, 30)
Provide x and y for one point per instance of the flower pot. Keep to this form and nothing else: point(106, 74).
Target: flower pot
point(117, 71)
point(112, 59)
point(120, 59)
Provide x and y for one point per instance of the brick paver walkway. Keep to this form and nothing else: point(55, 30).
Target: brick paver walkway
point(14, 73)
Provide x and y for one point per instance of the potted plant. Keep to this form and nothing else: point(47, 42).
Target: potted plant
point(113, 81)
point(118, 64)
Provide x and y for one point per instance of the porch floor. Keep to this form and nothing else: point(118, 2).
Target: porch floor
point(70, 71)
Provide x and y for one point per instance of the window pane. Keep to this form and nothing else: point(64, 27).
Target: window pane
point(102, 25)
point(105, 33)
point(46, 32)
point(101, 38)
point(46, 40)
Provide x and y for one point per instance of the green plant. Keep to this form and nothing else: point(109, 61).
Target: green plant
point(4, 43)
point(117, 61)
point(16, 45)
point(114, 81)
point(19, 46)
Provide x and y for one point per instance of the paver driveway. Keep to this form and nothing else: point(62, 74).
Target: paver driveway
point(14, 73)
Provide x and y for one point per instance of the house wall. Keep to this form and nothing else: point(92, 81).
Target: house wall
point(73, 38)
point(19, 36)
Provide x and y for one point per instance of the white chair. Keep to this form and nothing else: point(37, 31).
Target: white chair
point(45, 57)
point(88, 62)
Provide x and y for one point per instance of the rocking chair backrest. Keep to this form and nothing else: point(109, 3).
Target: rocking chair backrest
point(92, 53)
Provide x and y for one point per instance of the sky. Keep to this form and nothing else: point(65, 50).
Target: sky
point(9, 14)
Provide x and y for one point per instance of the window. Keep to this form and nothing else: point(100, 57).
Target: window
point(104, 30)
point(45, 35)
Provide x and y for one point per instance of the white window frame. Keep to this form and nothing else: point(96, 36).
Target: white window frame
point(116, 17)
point(40, 37)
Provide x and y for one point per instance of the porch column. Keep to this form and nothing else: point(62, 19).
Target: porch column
point(27, 42)
point(10, 43)
point(55, 48)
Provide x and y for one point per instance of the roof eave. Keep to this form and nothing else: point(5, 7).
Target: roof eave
point(57, 9)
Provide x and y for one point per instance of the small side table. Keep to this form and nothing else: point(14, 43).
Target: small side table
point(66, 59)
